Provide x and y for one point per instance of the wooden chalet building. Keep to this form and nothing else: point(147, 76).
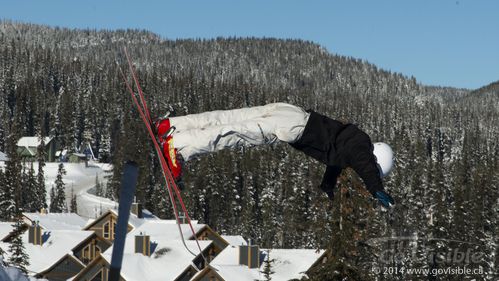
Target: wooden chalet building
point(81, 255)
point(57, 246)
point(27, 148)
point(105, 225)
point(246, 263)
point(65, 246)
point(156, 245)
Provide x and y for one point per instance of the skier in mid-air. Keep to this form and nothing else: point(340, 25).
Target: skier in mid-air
point(329, 141)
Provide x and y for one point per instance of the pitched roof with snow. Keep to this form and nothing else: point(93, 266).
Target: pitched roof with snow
point(57, 243)
point(133, 220)
point(174, 260)
point(288, 264)
point(167, 229)
point(57, 221)
point(166, 266)
point(32, 141)
point(136, 221)
point(235, 240)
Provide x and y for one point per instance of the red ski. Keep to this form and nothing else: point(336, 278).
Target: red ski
point(173, 190)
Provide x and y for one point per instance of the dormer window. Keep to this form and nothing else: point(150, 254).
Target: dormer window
point(106, 231)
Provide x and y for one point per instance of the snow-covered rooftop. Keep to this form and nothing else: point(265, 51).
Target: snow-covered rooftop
point(133, 220)
point(32, 141)
point(167, 229)
point(136, 221)
point(235, 240)
point(175, 260)
point(167, 266)
point(288, 264)
point(57, 221)
point(5, 229)
point(56, 245)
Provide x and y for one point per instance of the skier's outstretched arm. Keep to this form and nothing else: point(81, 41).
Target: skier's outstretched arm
point(360, 157)
point(328, 184)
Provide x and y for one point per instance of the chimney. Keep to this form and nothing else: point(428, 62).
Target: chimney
point(35, 234)
point(137, 209)
point(143, 244)
point(250, 256)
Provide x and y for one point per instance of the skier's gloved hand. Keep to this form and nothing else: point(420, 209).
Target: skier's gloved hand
point(330, 195)
point(328, 188)
point(328, 184)
point(384, 198)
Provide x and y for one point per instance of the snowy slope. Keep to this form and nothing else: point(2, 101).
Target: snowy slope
point(79, 179)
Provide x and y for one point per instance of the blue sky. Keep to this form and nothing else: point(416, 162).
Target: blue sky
point(440, 42)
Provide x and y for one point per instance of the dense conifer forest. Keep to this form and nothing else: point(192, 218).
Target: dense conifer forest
point(66, 84)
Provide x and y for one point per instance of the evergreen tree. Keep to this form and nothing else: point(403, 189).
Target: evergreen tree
point(162, 208)
point(114, 182)
point(41, 199)
point(98, 186)
point(57, 193)
point(267, 270)
point(108, 193)
point(18, 256)
point(10, 194)
point(73, 207)
point(3, 189)
point(105, 144)
point(2, 131)
point(108, 189)
point(29, 191)
point(350, 214)
point(52, 199)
